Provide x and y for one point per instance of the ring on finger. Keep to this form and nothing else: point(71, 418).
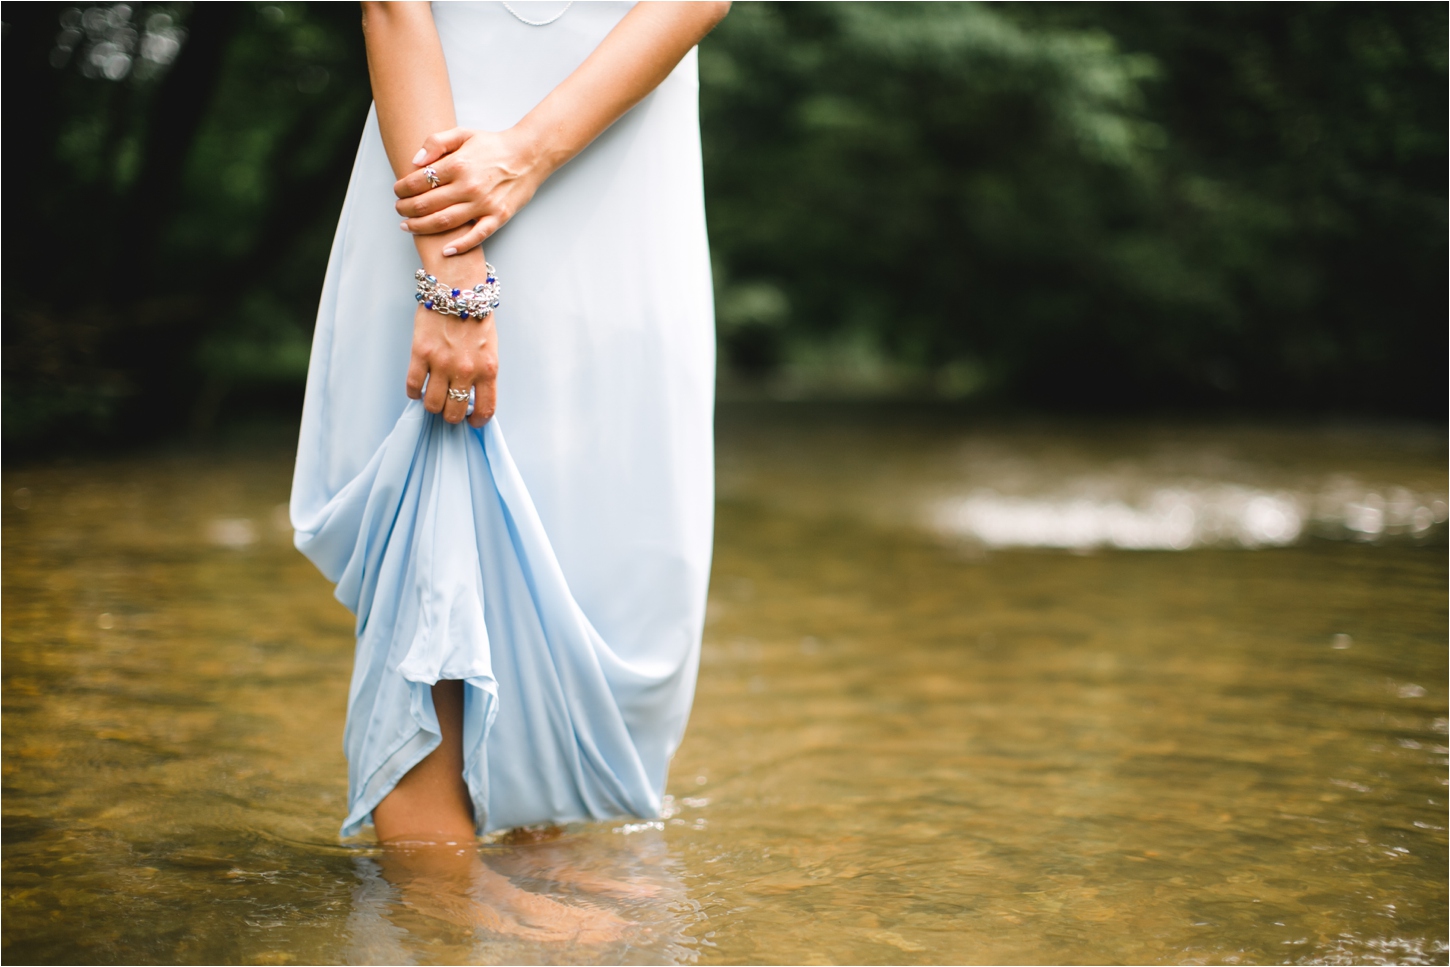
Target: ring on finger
point(458, 395)
point(433, 180)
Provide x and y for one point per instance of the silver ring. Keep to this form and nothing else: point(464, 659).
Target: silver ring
point(433, 180)
point(461, 395)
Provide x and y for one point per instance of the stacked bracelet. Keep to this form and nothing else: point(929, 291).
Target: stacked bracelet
point(474, 303)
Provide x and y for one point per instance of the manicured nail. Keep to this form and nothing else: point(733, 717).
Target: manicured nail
point(420, 156)
point(450, 250)
point(403, 226)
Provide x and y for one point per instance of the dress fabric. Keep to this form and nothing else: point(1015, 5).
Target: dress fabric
point(561, 574)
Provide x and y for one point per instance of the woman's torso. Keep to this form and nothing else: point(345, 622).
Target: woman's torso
point(606, 332)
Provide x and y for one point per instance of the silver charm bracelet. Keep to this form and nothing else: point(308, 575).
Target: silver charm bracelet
point(475, 303)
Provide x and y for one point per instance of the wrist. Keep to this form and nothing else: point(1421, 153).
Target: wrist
point(466, 269)
point(448, 299)
point(536, 157)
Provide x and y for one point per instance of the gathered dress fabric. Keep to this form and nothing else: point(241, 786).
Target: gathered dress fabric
point(561, 574)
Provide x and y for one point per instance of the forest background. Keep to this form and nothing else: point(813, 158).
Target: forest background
point(1220, 208)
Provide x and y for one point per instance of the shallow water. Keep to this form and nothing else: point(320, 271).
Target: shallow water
point(912, 742)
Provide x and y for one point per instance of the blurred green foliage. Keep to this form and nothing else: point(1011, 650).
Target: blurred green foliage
point(165, 244)
point(1060, 205)
point(1084, 205)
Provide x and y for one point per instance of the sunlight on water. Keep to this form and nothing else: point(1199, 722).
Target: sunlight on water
point(1186, 515)
point(911, 743)
point(1171, 520)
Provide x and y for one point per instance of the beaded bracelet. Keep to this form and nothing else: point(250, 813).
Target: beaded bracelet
point(475, 303)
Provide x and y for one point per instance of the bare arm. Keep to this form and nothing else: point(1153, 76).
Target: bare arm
point(489, 176)
point(633, 60)
point(413, 97)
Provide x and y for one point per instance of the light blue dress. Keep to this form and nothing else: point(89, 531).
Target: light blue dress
point(560, 574)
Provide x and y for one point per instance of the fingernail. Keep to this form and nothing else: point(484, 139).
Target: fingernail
point(403, 226)
point(420, 156)
point(450, 250)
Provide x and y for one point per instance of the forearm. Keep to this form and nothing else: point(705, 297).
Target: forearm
point(636, 56)
point(413, 99)
point(488, 176)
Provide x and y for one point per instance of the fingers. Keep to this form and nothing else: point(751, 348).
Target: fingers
point(436, 393)
point(437, 145)
point(450, 361)
point(485, 381)
point(431, 201)
point(456, 403)
point(417, 375)
point(416, 183)
point(481, 230)
point(485, 399)
point(449, 218)
point(449, 396)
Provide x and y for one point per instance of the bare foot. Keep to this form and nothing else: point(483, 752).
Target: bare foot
point(559, 870)
point(579, 924)
point(542, 853)
point(450, 882)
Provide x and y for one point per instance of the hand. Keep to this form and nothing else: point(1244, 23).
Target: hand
point(454, 353)
point(486, 178)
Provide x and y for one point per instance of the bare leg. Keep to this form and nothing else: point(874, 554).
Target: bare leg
point(426, 825)
point(431, 803)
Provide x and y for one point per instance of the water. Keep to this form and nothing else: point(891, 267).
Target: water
point(913, 741)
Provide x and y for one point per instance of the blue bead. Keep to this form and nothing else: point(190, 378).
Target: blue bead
point(428, 304)
point(463, 315)
point(454, 293)
point(418, 296)
point(491, 279)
